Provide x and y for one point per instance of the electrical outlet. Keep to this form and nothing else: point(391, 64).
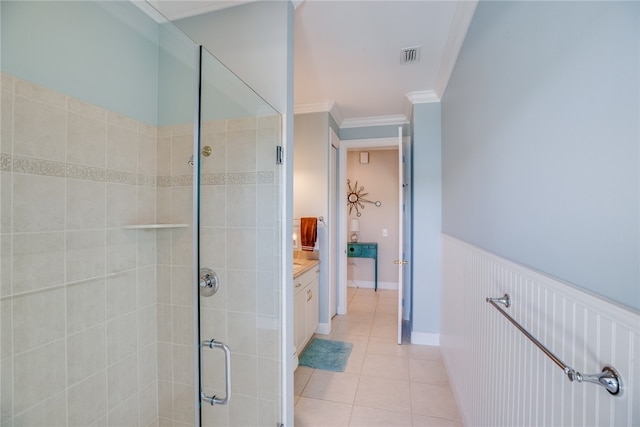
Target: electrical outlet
point(385, 232)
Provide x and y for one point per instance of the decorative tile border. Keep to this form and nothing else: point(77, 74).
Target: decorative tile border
point(266, 177)
point(33, 166)
point(121, 177)
point(163, 181)
point(30, 165)
point(38, 166)
point(181, 181)
point(146, 180)
point(213, 179)
point(5, 162)
point(241, 178)
point(232, 178)
point(85, 172)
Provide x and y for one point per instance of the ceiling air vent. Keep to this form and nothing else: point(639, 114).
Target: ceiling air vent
point(410, 55)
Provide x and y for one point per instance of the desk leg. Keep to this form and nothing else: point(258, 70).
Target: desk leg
point(376, 274)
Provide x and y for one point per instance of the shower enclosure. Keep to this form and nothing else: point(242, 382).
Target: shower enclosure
point(105, 225)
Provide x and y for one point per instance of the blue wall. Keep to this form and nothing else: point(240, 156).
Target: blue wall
point(245, 35)
point(176, 76)
point(426, 189)
point(105, 53)
point(540, 133)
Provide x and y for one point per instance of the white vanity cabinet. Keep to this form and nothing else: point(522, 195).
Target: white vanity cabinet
point(305, 307)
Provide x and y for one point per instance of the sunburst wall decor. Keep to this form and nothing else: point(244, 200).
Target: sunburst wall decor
point(355, 198)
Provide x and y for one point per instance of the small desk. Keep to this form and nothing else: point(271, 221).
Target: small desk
point(365, 250)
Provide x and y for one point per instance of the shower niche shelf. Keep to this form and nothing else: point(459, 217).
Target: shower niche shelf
point(153, 226)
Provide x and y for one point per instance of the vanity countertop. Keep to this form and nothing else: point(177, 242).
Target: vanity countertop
point(303, 265)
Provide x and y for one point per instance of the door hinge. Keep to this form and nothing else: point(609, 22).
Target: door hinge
point(279, 154)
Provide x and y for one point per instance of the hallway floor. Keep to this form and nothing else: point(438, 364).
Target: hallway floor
point(384, 384)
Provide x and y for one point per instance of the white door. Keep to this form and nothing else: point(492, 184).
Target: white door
point(401, 262)
point(333, 229)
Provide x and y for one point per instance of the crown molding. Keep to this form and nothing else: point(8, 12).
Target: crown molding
point(422, 97)
point(332, 108)
point(461, 21)
point(320, 107)
point(337, 116)
point(418, 97)
point(398, 119)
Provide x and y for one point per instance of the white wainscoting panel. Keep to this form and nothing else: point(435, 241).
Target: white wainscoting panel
point(500, 378)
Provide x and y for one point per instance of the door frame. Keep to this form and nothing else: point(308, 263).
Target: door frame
point(333, 239)
point(341, 253)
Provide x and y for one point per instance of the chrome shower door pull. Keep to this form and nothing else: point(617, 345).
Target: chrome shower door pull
point(209, 282)
point(214, 400)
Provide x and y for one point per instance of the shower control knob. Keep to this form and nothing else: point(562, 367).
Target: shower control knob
point(209, 282)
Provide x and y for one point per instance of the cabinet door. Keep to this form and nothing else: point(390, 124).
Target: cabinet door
point(300, 320)
point(312, 308)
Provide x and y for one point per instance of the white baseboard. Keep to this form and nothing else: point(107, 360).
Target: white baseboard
point(323, 329)
point(423, 338)
point(371, 284)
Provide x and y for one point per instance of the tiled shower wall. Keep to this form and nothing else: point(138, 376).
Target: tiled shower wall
point(78, 293)
point(239, 240)
point(500, 378)
point(96, 322)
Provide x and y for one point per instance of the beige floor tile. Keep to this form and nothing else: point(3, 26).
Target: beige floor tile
point(355, 363)
point(359, 342)
point(424, 352)
point(393, 311)
point(366, 291)
point(383, 393)
point(396, 368)
point(360, 307)
point(372, 417)
point(387, 293)
point(388, 306)
point(427, 371)
point(384, 384)
point(385, 319)
point(385, 331)
point(354, 328)
point(434, 401)
point(301, 378)
point(424, 421)
point(369, 299)
point(360, 316)
point(320, 413)
point(333, 386)
point(386, 347)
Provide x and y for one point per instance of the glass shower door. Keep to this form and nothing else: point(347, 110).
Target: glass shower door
point(238, 202)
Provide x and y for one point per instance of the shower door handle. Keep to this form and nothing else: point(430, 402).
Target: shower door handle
point(214, 400)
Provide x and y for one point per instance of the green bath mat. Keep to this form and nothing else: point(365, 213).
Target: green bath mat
point(326, 354)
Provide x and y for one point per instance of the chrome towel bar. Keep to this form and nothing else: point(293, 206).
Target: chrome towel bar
point(608, 378)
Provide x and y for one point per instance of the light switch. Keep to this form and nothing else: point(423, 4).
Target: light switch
point(385, 232)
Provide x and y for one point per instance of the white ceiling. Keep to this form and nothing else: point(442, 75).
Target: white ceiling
point(347, 53)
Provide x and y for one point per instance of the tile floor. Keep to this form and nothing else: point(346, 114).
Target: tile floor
point(384, 384)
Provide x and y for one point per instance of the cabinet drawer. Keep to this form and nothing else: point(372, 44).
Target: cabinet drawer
point(354, 250)
point(305, 278)
point(362, 250)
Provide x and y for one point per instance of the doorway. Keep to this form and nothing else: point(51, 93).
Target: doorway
point(377, 230)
